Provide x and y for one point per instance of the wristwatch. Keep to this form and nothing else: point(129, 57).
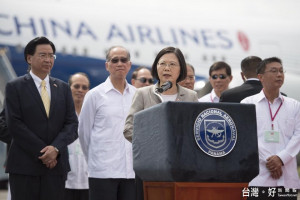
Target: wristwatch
point(56, 149)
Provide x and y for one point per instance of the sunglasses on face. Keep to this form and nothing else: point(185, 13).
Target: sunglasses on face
point(83, 87)
point(221, 76)
point(116, 60)
point(143, 80)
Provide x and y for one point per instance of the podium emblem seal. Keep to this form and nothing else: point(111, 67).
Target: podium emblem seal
point(215, 132)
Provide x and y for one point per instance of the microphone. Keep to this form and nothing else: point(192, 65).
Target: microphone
point(167, 85)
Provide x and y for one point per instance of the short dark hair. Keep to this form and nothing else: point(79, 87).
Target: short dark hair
point(188, 64)
point(111, 48)
point(262, 66)
point(220, 65)
point(181, 60)
point(249, 66)
point(136, 71)
point(81, 73)
point(31, 46)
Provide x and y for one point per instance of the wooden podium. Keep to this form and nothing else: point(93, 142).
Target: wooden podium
point(193, 191)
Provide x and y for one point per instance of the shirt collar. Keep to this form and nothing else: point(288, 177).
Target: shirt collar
point(252, 79)
point(37, 79)
point(214, 96)
point(109, 86)
point(261, 96)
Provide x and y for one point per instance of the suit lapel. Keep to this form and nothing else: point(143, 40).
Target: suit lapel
point(34, 91)
point(181, 94)
point(54, 93)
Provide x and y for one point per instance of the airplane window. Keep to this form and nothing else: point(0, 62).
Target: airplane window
point(136, 54)
point(85, 51)
point(105, 52)
point(19, 48)
point(204, 58)
point(74, 51)
point(214, 58)
point(186, 56)
point(64, 50)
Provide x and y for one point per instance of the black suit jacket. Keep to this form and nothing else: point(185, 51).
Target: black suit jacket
point(238, 93)
point(32, 130)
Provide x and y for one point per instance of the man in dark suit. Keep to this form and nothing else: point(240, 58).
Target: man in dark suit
point(41, 120)
point(251, 83)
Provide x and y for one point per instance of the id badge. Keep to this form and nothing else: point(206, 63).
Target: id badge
point(272, 136)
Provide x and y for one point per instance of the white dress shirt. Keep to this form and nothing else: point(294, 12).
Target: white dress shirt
point(101, 125)
point(287, 123)
point(171, 97)
point(38, 81)
point(210, 97)
point(78, 176)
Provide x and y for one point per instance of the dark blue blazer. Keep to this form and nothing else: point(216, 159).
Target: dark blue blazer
point(32, 130)
point(238, 93)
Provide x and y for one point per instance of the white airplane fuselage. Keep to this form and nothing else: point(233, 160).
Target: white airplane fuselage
point(82, 33)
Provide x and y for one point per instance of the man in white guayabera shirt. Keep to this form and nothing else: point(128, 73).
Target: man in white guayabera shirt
point(278, 131)
point(102, 119)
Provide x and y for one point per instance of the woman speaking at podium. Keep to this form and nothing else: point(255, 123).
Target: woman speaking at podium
point(168, 68)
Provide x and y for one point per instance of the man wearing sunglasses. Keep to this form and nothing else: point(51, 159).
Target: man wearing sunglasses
point(77, 187)
point(141, 77)
point(219, 78)
point(101, 124)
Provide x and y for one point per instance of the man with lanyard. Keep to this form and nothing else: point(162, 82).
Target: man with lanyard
point(278, 132)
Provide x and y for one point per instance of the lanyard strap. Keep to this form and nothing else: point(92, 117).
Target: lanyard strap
point(273, 117)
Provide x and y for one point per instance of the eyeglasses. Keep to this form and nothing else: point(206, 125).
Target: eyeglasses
point(83, 87)
point(275, 71)
point(116, 60)
point(191, 78)
point(164, 64)
point(221, 76)
point(44, 56)
point(144, 80)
